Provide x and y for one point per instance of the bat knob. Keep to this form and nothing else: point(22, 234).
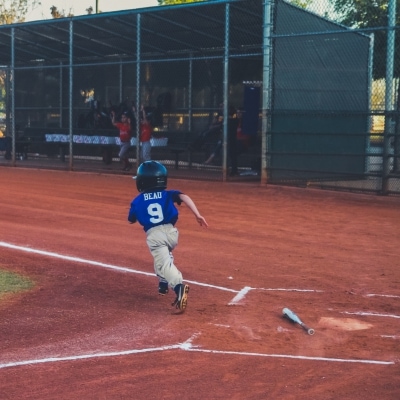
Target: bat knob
point(310, 331)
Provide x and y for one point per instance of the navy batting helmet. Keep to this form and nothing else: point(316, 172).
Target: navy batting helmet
point(151, 175)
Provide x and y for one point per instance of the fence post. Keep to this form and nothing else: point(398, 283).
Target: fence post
point(12, 72)
point(267, 80)
point(391, 35)
point(71, 86)
point(138, 44)
point(225, 96)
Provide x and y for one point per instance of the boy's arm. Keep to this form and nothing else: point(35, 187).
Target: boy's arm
point(132, 216)
point(143, 114)
point(113, 118)
point(189, 202)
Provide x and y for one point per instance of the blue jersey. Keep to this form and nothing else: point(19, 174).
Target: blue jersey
point(154, 208)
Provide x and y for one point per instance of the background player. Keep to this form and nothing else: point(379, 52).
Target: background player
point(155, 210)
point(125, 137)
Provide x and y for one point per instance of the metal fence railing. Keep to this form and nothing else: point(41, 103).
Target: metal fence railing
point(316, 94)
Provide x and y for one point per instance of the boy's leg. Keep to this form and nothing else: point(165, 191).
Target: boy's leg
point(181, 291)
point(124, 156)
point(164, 266)
point(162, 286)
point(161, 240)
point(128, 165)
point(146, 151)
point(121, 155)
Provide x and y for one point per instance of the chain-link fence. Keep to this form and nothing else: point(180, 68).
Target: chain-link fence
point(330, 125)
point(311, 102)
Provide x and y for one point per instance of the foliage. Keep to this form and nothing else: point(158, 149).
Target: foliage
point(370, 14)
point(362, 13)
point(55, 13)
point(302, 3)
point(12, 11)
point(172, 2)
point(299, 3)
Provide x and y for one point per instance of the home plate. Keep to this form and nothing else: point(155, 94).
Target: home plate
point(346, 324)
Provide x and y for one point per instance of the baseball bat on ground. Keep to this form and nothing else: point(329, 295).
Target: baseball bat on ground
point(287, 313)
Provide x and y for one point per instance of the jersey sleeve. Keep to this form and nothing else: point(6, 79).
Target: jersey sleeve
point(132, 214)
point(175, 197)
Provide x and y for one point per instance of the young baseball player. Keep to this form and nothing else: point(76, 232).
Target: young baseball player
point(155, 210)
point(125, 137)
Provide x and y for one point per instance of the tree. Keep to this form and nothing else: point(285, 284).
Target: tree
point(299, 3)
point(302, 3)
point(374, 14)
point(55, 13)
point(172, 2)
point(363, 14)
point(12, 11)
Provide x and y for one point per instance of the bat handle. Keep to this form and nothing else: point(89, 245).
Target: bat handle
point(310, 331)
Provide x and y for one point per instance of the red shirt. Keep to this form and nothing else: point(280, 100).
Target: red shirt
point(145, 132)
point(124, 131)
point(241, 136)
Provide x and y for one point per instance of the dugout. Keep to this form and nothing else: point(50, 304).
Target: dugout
point(186, 60)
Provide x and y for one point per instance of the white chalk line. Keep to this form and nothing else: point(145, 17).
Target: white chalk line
point(290, 290)
point(183, 346)
point(74, 259)
point(186, 346)
point(343, 360)
point(382, 295)
point(86, 356)
point(100, 264)
point(240, 295)
point(373, 314)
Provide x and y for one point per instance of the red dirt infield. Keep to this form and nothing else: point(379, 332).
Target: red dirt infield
point(94, 327)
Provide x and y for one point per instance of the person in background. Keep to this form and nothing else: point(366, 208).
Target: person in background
point(146, 131)
point(233, 124)
point(124, 127)
point(6, 145)
point(238, 142)
point(212, 134)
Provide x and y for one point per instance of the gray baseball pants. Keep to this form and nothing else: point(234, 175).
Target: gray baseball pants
point(162, 239)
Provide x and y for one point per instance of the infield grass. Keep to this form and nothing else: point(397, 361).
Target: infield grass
point(13, 283)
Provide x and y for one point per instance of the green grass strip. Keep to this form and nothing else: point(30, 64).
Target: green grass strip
point(13, 283)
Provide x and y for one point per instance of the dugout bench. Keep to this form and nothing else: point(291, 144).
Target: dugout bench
point(174, 145)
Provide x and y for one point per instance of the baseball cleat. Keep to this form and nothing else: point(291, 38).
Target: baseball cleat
point(181, 291)
point(162, 288)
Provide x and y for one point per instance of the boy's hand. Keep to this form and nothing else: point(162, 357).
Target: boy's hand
point(202, 221)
